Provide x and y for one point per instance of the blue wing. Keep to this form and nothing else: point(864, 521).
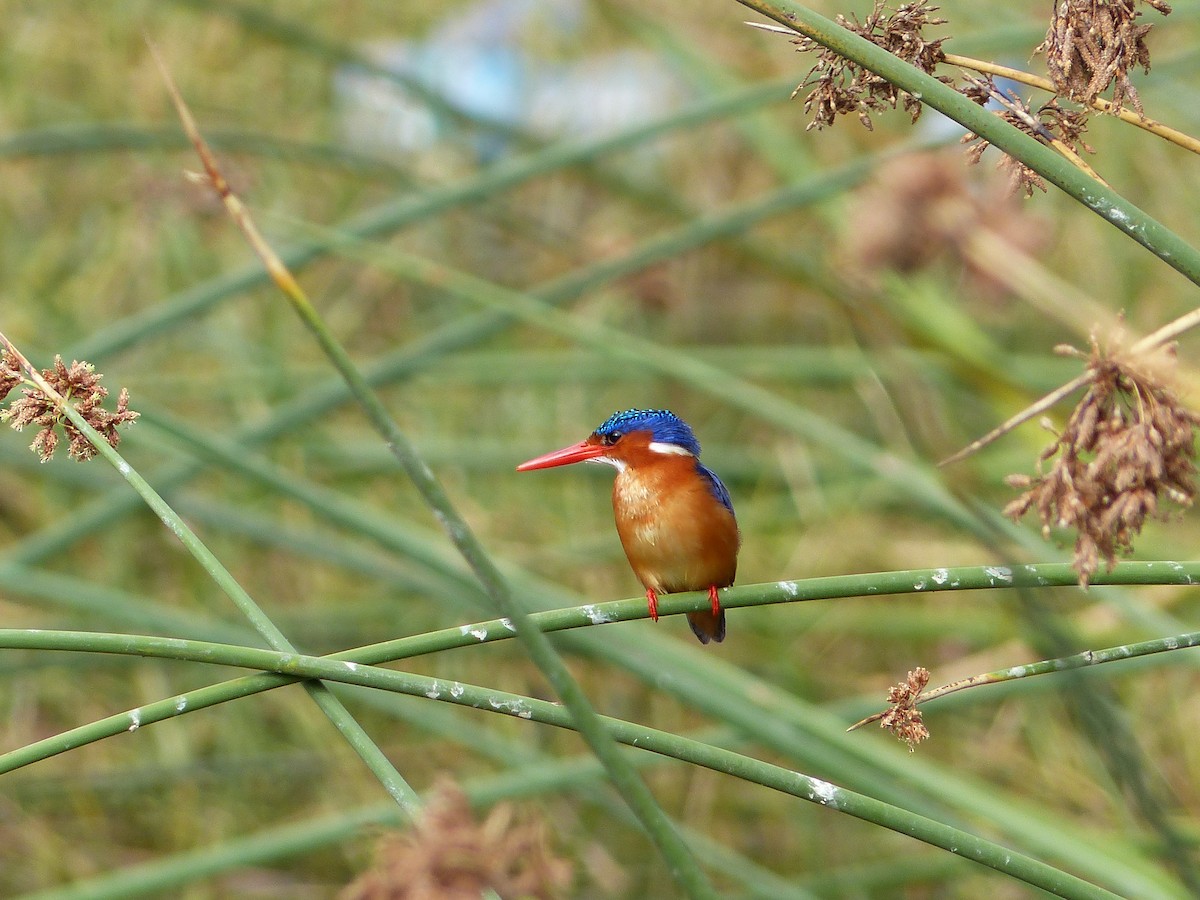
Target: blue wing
point(714, 484)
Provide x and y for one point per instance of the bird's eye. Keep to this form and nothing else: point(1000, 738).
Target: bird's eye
point(609, 438)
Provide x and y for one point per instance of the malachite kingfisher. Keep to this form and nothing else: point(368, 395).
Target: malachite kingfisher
point(674, 516)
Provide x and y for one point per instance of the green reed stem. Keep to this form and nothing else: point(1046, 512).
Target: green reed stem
point(676, 746)
point(682, 863)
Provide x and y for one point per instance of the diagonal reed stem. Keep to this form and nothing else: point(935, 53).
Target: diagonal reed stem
point(682, 863)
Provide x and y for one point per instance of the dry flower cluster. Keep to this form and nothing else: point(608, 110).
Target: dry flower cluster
point(1092, 44)
point(920, 209)
point(448, 856)
point(903, 719)
point(839, 86)
point(10, 375)
point(78, 383)
point(1126, 448)
point(1050, 124)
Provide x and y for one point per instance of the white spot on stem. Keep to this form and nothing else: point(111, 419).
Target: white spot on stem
point(595, 615)
point(513, 707)
point(998, 573)
point(823, 792)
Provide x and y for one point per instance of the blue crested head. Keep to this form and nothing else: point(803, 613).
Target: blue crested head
point(664, 426)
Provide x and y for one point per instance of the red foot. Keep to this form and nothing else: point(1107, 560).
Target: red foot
point(652, 603)
point(716, 604)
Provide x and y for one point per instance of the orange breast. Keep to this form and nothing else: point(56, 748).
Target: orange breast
point(676, 534)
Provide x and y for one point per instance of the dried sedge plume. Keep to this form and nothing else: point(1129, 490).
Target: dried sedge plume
point(979, 90)
point(10, 375)
point(1092, 44)
point(1021, 178)
point(448, 856)
point(921, 209)
point(1052, 122)
point(1068, 125)
point(838, 86)
point(903, 719)
point(79, 384)
point(1126, 448)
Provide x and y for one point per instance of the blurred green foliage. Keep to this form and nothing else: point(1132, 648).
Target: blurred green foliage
point(853, 303)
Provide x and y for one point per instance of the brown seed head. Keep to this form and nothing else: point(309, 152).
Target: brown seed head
point(10, 375)
point(923, 210)
point(1092, 44)
point(904, 719)
point(836, 86)
point(448, 855)
point(78, 384)
point(1127, 447)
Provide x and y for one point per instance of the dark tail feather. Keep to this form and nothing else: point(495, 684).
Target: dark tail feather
point(707, 627)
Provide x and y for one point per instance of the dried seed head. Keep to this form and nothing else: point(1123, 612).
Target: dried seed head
point(10, 375)
point(1092, 44)
point(1127, 445)
point(447, 854)
point(904, 719)
point(836, 86)
point(1050, 123)
point(78, 384)
point(921, 210)
point(1018, 114)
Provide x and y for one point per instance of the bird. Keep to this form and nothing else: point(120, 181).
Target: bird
point(674, 517)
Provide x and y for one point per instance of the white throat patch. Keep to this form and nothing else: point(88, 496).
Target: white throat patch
point(618, 464)
point(668, 449)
